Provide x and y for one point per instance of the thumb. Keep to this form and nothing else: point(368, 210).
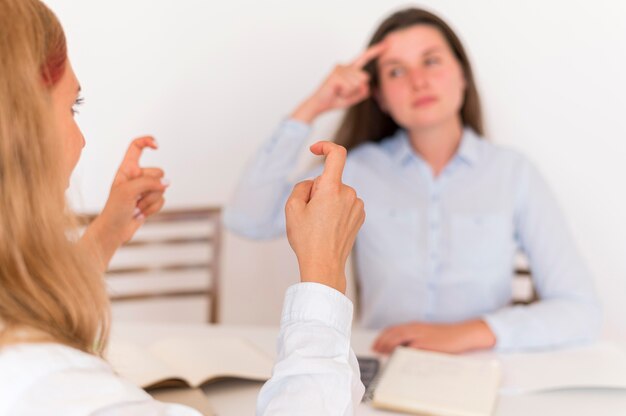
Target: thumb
point(300, 196)
point(144, 184)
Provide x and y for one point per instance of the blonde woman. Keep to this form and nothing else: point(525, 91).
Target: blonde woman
point(54, 313)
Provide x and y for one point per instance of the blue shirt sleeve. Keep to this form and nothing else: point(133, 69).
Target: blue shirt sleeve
point(568, 310)
point(257, 207)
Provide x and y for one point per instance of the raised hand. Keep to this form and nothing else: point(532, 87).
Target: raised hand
point(323, 218)
point(345, 86)
point(136, 193)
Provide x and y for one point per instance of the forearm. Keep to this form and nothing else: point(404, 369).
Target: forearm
point(100, 243)
point(307, 111)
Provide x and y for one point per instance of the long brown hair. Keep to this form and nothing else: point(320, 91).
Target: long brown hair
point(49, 288)
point(366, 122)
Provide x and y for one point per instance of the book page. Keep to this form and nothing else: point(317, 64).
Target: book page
point(602, 365)
point(136, 364)
point(203, 359)
point(434, 383)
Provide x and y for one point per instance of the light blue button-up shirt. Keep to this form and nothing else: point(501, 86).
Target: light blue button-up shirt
point(441, 249)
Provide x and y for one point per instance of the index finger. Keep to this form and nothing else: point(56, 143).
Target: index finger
point(335, 160)
point(133, 154)
point(370, 53)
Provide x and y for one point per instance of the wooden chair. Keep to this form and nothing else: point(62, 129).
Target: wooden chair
point(169, 271)
point(524, 292)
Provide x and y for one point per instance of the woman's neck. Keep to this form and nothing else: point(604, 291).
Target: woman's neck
point(437, 145)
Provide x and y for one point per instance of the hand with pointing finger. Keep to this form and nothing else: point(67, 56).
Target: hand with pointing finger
point(323, 218)
point(136, 193)
point(345, 86)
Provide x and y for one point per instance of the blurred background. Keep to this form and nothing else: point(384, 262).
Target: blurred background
point(211, 80)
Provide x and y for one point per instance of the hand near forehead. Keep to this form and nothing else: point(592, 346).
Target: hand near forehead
point(323, 218)
point(136, 193)
point(345, 86)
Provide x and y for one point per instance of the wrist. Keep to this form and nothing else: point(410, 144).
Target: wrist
point(479, 335)
point(329, 275)
point(306, 112)
point(104, 236)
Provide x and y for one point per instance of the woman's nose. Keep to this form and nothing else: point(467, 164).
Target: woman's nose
point(419, 78)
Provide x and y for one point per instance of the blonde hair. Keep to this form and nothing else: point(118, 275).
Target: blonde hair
point(49, 288)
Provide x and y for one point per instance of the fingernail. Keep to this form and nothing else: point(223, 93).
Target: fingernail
point(165, 182)
point(141, 217)
point(155, 142)
point(136, 212)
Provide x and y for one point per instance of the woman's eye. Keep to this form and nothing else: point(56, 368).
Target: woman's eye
point(432, 60)
point(396, 72)
point(79, 101)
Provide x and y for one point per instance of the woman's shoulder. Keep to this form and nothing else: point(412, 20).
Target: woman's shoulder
point(35, 375)
point(491, 150)
point(29, 360)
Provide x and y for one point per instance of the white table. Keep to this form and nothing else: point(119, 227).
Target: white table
point(238, 398)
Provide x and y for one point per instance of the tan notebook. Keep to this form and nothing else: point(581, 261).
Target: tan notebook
point(430, 383)
point(189, 361)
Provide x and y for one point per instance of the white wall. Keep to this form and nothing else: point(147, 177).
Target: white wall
point(211, 79)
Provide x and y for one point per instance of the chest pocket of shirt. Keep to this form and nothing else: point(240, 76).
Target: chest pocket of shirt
point(481, 241)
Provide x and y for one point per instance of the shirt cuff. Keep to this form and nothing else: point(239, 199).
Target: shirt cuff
point(305, 302)
point(501, 328)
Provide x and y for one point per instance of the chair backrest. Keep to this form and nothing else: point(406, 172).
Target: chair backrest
point(169, 271)
point(524, 292)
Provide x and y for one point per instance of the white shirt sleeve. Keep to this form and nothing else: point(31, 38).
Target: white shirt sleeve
point(316, 372)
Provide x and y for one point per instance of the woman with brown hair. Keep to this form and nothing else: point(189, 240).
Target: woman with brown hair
point(446, 209)
point(54, 311)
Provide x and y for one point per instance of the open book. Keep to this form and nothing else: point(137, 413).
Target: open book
point(438, 384)
point(189, 361)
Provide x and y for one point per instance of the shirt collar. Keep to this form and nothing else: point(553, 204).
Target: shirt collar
point(468, 149)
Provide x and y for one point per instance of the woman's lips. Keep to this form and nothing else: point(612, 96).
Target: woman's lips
point(424, 101)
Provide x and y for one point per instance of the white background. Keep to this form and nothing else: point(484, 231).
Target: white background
point(212, 79)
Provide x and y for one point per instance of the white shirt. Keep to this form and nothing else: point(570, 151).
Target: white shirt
point(316, 372)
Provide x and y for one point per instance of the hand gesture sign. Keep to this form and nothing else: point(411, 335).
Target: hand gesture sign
point(323, 218)
point(345, 86)
point(136, 193)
